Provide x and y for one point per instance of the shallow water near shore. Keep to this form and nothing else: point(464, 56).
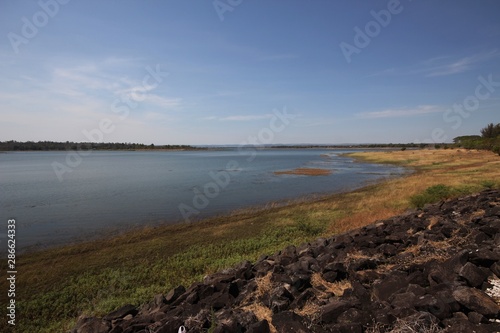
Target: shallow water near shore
point(117, 190)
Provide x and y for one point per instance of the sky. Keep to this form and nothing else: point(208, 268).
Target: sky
point(248, 71)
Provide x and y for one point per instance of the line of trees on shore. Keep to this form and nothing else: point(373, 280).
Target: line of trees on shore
point(51, 146)
point(360, 145)
point(489, 139)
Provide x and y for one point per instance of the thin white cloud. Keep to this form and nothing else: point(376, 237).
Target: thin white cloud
point(163, 102)
point(156, 116)
point(441, 65)
point(323, 122)
point(247, 117)
point(444, 65)
point(239, 117)
point(458, 66)
point(228, 93)
point(90, 79)
point(403, 112)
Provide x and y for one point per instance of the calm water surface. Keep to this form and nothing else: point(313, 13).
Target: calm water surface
point(117, 190)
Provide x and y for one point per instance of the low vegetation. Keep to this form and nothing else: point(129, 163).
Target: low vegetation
point(57, 285)
point(305, 172)
point(489, 139)
point(51, 146)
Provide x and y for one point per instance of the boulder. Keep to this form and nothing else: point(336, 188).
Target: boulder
point(476, 300)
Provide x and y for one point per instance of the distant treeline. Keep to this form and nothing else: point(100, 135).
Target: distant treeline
point(489, 139)
point(51, 145)
point(371, 145)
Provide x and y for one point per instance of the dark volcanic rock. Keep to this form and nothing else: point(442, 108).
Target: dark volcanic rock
point(476, 300)
point(429, 268)
point(121, 312)
point(288, 321)
point(474, 276)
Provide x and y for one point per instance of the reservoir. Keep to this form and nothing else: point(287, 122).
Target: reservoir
point(109, 191)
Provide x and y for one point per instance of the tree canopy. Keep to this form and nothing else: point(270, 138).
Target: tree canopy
point(491, 131)
point(51, 145)
point(489, 139)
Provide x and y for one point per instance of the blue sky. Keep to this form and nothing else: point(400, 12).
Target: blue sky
point(227, 67)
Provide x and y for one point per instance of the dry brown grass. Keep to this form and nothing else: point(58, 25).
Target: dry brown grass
point(336, 288)
point(358, 254)
point(433, 220)
point(253, 304)
point(429, 250)
point(310, 310)
point(405, 326)
point(262, 313)
point(264, 285)
point(305, 172)
point(459, 168)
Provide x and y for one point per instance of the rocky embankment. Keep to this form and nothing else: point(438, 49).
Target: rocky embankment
point(431, 270)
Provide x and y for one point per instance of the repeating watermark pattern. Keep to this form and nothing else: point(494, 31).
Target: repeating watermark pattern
point(120, 106)
point(31, 27)
point(220, 180)
point(223, 6)
point(11, 271)
point(363, 37)
point(455, 115)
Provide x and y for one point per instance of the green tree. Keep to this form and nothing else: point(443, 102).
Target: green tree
point(491, 131)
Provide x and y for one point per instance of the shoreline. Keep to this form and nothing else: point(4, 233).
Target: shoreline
point(221, 149)
point(117, 222)
point(252, 210)
point(107, 272)
point(115, 231)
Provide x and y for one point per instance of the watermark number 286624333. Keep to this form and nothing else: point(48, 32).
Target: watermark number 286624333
point(11, 271)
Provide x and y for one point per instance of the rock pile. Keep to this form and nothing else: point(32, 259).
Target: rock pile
point(431, 270)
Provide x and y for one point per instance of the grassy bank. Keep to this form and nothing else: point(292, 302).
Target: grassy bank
point(57, 285)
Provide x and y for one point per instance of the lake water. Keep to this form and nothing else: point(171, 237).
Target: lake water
point(116, 190)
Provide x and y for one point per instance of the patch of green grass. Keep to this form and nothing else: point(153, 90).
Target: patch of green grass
point(309, 228)
point(431, 195)
point(98, 292)
point(213, 322)
point(440, 192)
point(489, 184)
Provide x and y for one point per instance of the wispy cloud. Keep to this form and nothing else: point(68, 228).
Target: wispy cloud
point(157, 116)
point(402, 112)
point(247, 117)
point(239, 117)
point(445, 65)
point(93, 80)
point(457, 66)
point(441, 65)
point(163, 102)
point(208, 118)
